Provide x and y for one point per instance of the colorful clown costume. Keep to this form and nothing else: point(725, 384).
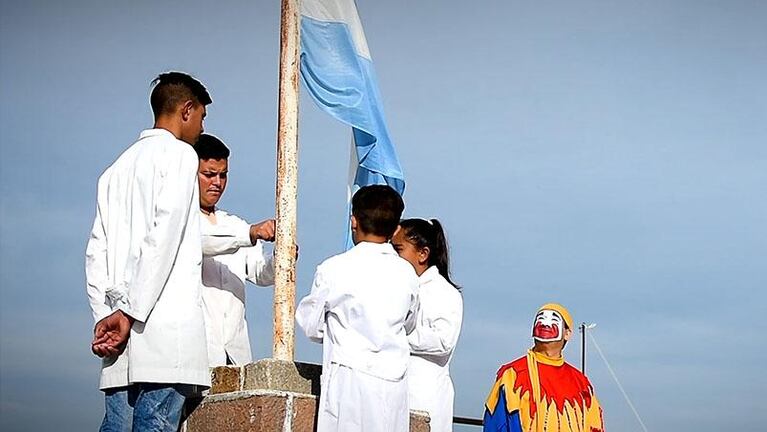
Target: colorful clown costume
point(537, 393)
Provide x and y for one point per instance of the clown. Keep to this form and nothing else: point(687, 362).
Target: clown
point(540, 392)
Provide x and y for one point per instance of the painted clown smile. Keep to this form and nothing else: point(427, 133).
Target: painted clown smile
point(546, 331)
point(548, 326)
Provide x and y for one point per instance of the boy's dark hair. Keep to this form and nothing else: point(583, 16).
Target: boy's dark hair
point(173, 88)
point(424, 233)
point(377, 209)
point(210, 147)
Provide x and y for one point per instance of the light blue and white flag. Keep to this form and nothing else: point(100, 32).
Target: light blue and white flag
point(337, 69)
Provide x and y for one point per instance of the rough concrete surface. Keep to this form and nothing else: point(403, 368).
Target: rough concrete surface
point(225, 379)
point(283, 375)
point(419, 421)
point(251, 413)
point(304, 413)
point(257, 396)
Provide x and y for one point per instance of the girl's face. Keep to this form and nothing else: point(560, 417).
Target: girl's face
point(407, 250)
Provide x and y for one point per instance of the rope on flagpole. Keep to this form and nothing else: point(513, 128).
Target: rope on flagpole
point(615, 377)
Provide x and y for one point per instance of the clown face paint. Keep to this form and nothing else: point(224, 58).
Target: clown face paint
point(548, 326)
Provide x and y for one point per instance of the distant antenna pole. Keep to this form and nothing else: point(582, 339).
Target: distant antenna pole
point(583, 327)
point(287, 185)
point(583, 348)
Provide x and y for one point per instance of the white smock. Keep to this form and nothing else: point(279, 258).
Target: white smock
point(229, 260)
point(432, 343)
point(144, 257)
point(361, 307)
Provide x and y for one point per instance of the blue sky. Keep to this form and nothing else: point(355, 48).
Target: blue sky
point(607, 155)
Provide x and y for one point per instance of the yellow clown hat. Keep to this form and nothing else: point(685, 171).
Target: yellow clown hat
point(561, 310)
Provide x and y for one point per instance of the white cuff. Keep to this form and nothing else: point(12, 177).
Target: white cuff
point(118, 296)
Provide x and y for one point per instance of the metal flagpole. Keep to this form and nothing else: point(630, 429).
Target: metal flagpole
point(287, 185)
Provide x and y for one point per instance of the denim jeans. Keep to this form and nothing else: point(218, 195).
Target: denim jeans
point(145, 407)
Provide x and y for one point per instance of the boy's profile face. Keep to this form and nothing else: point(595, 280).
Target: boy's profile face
point(192, 114)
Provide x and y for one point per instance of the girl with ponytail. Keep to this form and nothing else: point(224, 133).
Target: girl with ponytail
point(423, 244)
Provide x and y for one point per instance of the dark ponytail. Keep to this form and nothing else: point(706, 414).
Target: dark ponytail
point(429, 233)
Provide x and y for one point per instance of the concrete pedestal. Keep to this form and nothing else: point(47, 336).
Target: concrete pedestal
point(266, 396)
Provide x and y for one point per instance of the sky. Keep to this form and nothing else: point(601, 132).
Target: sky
point(611, 156)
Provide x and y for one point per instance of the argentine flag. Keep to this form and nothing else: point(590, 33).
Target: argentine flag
point(338, 72)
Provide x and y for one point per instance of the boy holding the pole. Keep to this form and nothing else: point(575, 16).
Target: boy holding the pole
point(361, 307)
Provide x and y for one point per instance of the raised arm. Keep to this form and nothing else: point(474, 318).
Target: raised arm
point(228, 238)
point(224, 239)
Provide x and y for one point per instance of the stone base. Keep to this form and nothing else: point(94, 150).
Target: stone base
point(266, 396)
point(266, 411)
point(282, 375)
point(254, 411)
point(268, 374)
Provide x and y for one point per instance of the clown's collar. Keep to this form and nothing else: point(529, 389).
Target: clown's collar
point(551, 361)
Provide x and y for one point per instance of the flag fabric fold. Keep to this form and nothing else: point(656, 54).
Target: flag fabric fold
point(338, 72)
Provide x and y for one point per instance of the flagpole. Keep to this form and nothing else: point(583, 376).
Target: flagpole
point(287, 184)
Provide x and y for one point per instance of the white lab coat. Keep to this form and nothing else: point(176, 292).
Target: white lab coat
point(432, 343)
point(361, 307)
point(229, 260)
point(144, 257)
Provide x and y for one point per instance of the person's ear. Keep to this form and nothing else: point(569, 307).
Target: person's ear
point(186, 110)
point(423, 255)
point(354, 223)
point(567, 335)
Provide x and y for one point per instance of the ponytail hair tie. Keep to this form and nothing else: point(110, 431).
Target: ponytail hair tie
point(428, 221)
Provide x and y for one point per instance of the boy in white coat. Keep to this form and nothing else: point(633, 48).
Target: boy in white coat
point(233, 253)
point(361, 308)
point(143, 267)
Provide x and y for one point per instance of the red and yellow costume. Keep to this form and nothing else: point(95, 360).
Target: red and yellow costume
point(566, 403)
point(536, 393)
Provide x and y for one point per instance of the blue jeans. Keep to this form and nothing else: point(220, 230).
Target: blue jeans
point(145, 407)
